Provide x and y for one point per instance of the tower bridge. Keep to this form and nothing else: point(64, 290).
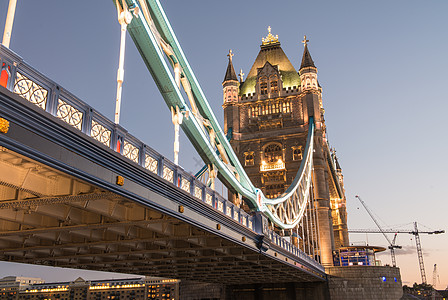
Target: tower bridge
point(78, 190)
point(70, 199)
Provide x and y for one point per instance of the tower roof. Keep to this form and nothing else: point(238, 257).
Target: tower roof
point(307, 61)
point(271, 51)
point(230, 73)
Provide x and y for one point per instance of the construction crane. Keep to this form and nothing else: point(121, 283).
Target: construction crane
point(435, 277)
point(414, 232)
point(419, 253)
point(392, 245)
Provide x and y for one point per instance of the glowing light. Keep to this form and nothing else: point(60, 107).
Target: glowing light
point(124, 286)
point(279, 165)
point(58, 289)
point(4, 125)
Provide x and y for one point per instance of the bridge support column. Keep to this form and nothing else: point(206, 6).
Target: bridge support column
point(322, 197)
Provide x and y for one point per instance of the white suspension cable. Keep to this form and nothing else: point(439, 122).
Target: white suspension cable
point(9, 22)
point(124, 18)
point(177, 117)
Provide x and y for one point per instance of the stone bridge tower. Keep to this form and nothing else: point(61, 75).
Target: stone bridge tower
point(268, 114)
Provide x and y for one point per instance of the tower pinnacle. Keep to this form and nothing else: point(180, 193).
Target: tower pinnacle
point(230, 73)
point(270, 38)
point(230, 55)
point(307, 61)
point(305, 41)
point(230, 84)
point(241, 75)
point(308, 71)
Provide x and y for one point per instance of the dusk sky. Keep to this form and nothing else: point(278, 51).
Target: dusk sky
point(382, 66)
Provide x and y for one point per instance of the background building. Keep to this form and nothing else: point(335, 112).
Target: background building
point(12, 287)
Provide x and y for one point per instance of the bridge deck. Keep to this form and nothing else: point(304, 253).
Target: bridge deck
point(93, 229)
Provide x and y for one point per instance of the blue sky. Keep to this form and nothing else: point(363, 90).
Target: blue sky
point(382, 66)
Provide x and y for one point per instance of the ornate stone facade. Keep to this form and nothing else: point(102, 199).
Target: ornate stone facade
point(269, 123)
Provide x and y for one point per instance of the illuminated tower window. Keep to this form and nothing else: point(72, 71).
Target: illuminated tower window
point(263, 86)
point(256, 111)
point(272, 153)
point(274, 84)
point(297, 152)
point(286, 107)
point(275, 108)
point(249, 158)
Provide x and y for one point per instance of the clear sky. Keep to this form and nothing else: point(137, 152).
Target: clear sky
point(382, 65)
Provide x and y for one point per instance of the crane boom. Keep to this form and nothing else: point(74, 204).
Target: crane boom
point(374, 219)
point(392, 245)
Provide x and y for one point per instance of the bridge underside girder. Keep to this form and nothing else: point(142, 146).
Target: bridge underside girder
point(50, 218)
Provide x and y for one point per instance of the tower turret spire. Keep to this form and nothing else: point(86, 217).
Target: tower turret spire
point(230, 84)
point(307, 61)
point(308, 71)
point(230, 73)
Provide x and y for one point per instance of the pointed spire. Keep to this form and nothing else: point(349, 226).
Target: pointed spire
point(230, 73)
point(307, 61)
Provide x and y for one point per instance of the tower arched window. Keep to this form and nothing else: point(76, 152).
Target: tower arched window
point(255, 111)
point(274, 84)
point(308, 82)
point(286, 107)
point(275, 108)
point(272, 153)
point(297, 153)
point(249, 158)
point(263, 86)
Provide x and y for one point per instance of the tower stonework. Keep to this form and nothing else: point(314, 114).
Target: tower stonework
point(269, 121)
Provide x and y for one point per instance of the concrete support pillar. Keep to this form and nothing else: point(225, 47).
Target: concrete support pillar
point(326, 236)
